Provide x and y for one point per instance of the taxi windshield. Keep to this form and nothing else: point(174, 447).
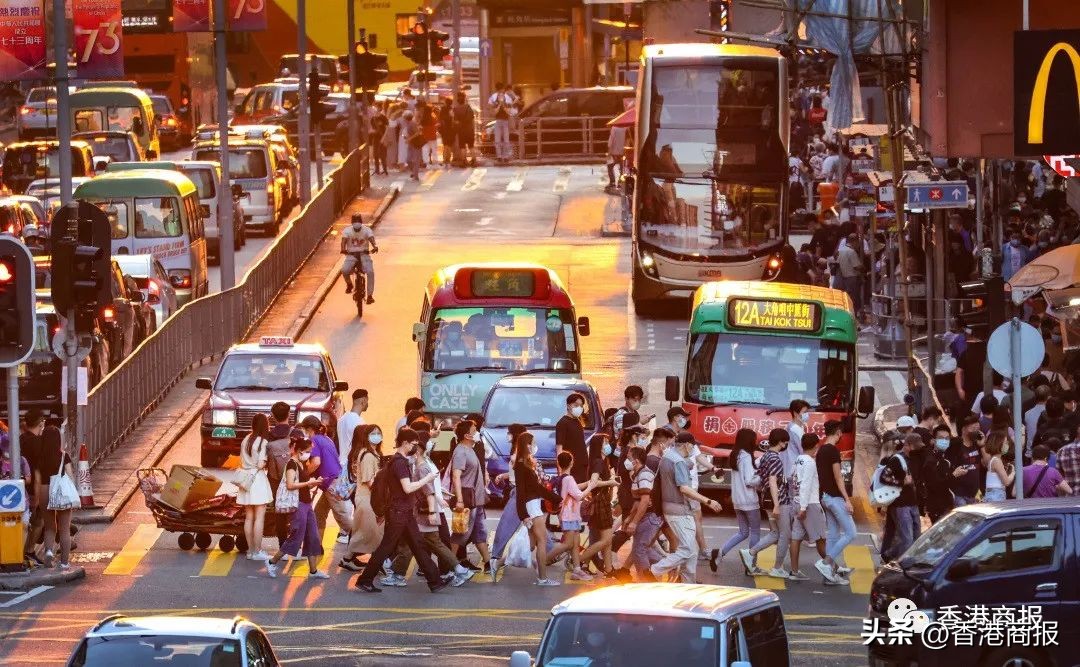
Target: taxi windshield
point(273, 372)
point(509, 339)
point(769, 370)
point(630, 641)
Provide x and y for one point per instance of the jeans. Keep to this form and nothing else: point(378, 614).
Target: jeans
point(841, 526)
point(779, 534)
point(641, 551)
point(413, 159)
point(853, 286)
point(684, 558)
point(906, 529)
point(502, 139)
point(993, 495)
point(749, 526)
point(613, 162)
point(441, 550)
point(401, 525)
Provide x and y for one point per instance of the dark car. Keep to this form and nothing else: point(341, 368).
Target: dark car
point(995, 555)
point(537, 402)
point(27, 161)
point(570, 121)
point(173, 132)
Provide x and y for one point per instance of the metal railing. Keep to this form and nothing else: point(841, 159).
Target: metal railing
point(554, 136)
point(208, 326)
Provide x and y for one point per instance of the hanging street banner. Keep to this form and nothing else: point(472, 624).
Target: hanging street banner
point(247, 15)
point(1046, 88)
point(99, 35)
point(191, 16)
point(22, 40)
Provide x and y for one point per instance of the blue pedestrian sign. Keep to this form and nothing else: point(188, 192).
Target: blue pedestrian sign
point(12, 495)
point(942, 194)
point(485, 48)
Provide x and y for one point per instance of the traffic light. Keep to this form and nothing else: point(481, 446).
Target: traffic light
point(371, 68)
point(82, 245)
point(416, 45)
point(319, 108)
point(987, 309)
point(17, 314)
point(437, 49)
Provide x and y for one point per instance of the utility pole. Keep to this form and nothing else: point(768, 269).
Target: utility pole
point(224, 212)
point(354, 122)
point(455, 7)
point(302, 127)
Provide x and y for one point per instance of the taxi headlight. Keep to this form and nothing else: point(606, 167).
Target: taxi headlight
point(318, 414)
point(224, 417)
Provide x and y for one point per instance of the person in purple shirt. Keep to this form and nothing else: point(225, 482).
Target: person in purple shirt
point(1042, 480)
point(324, 463)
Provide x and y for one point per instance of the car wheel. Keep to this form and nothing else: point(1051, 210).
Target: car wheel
point(1016, 656)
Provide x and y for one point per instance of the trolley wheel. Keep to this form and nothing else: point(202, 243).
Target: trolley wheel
point(241, 544)
point(226, 543)
point(186, 541)
point(202, 540)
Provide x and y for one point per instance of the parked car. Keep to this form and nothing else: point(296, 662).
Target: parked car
point(644, 625)
point(1004, 554)
point(111, 146)
point(27, 161)
point(37, 115)
point(152, 280)
point(555, 120)
point(148, 640)
point(538, 402)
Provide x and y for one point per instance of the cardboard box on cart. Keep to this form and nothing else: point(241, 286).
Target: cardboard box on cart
point(187, 486)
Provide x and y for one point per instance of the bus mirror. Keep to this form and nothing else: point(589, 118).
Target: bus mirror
point(583, 326)
point(418, 331)
point(341, 385)
point(671, 388)
point(866, 402)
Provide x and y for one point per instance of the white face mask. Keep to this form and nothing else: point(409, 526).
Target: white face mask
point(681, 421)
point(804, 417)
point(357, 228)
point(375, 438)
point(533, 448)
point(304, 456)
point(618, 452)
point(629, 465)
point(577, 411)
point(606, 450)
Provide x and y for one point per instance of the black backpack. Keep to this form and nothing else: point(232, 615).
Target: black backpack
point(380, 491)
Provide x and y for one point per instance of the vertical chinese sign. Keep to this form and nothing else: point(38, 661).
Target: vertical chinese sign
point(98, 38)
point(247, 15)
point(22, 40)
point(191, 16)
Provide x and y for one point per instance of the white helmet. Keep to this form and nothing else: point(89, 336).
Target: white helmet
point(31, 231)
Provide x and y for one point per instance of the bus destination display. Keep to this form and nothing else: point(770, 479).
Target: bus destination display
point(774, 315)
point(505, 283)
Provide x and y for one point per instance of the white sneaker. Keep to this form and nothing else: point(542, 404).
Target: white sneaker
point(797, 575)
point(747, 559)
point(271, 570)
point(493, 570)
point(48, 558)
point(826, 570)
point(259, 555)
point(464, 573)
point(457, 580)
point(779, 573)
point(393, 580)
point(844, 571)
point(580, 575)
point(703, 554)
point(318, 574)
point(838, 581)
point(548, 582)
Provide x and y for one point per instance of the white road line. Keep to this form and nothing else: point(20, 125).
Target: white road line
point(518, 181)
point(561, 181)
point(475, 177)
point(25, 596)
point(486, 220)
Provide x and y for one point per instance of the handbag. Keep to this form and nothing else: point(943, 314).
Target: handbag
point(245, 479)
point(343, 487)
point(63, 495)
point(882, 494)
point(460, 523)
point(286, 501)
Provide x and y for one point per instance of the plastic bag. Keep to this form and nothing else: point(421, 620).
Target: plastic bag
point(459, 524)
point(519, 550)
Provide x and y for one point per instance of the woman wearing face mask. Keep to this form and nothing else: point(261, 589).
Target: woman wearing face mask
point(999, 475)
point(601, 519)
point(937, 475)
point(303, 539)
point(257, 493)
point(744, 497)
point(632, 436)
point(530, 493)
point(509, 519)
point(363, 464)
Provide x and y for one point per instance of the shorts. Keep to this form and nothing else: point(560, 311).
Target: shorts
point(534, 508)
point(812, 527)
point(477, 531)
point(568, 526)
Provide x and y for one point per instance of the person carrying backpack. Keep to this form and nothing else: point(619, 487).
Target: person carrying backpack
point(392, 498)
point(570, 516)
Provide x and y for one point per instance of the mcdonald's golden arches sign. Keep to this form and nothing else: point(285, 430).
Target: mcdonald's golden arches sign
point(1046, 92)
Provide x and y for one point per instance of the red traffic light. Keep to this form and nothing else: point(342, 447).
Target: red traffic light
point(7, 272)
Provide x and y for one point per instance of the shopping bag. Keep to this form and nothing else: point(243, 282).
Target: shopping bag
point(460, 523)
point(519, 550)
point(286, 501)
point(343, 487)
point(63, 495)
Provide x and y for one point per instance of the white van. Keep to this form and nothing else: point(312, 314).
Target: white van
point(253, 166)
point(206, 175)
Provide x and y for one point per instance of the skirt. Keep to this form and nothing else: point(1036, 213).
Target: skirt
point(367, 533)
point(260, 492)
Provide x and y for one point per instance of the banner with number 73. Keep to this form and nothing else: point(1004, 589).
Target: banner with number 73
point(99, 52)
point(247, 15)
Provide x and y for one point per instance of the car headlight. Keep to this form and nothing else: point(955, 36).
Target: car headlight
point(317, 414)
point(847, 468)
point(648, 264)
point(224, 417)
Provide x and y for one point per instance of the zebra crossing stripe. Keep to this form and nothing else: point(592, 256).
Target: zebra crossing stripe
point(561, 181)
point(474, 180)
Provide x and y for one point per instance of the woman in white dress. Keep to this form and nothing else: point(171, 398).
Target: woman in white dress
point(254, 487)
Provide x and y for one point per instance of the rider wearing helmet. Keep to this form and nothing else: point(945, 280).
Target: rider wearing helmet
point(355, 242)
point(34, 240)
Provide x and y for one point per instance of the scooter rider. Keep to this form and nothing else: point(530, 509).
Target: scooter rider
point(355, 240)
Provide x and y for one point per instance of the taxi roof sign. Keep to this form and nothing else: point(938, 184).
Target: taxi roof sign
point(275, 341)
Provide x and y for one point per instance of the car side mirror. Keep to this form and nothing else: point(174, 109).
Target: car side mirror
point(341, 385)
point(962, 569)
point(204, 383)
point(866, 402)
point(671, 388)
point(520, 659)
point(137, 126)
point(204, 210)
point(153, 299)
point(419, 332)
point(583, 326)
point(135, 296)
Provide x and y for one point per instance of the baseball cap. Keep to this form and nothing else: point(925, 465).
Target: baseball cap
point(677, 411)
point(907, 421)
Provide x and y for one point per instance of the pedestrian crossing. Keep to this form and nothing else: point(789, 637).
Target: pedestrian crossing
point(504, 181)
point(150, 550)
point(890, 386)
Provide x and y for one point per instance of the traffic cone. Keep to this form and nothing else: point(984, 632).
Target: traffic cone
point(86, 491)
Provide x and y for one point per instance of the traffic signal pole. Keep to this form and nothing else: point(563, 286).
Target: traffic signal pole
point(354, 123)
point(226, 252)
point(455, 8)
point(302, 127)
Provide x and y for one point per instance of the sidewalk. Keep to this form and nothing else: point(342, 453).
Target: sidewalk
point(115, 477)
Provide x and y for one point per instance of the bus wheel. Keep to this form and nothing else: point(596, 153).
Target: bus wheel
point(646, 307)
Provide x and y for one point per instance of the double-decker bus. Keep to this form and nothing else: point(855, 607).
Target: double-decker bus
point(754, 347)
point(711, 148)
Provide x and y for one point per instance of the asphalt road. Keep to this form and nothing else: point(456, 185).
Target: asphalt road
point(546, 214)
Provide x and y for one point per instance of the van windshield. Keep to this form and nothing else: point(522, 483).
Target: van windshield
point(243, 162)
point(630, 641)
point(940, 539)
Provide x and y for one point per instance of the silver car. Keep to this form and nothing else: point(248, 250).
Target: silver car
point(153, 282)
point(37, 115)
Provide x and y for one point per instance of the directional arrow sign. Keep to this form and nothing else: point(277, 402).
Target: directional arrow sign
point(12, 495)
point(942, 194)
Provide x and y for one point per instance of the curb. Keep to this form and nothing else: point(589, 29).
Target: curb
point(128, 488)
point(22, 581)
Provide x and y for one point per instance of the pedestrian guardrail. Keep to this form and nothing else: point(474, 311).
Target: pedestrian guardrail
point(553, 137)
point(208, 326)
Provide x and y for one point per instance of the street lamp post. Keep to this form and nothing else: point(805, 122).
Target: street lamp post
point(302, 127)
point(354, 122)
point(226, 252)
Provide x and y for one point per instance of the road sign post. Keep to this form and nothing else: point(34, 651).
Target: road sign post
point(940, 194)
point(1016, 350)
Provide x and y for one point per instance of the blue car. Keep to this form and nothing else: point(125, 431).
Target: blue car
point(537, 402)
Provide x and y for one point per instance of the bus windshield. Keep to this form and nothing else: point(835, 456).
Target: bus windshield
point(499, 338)
point(770, 371)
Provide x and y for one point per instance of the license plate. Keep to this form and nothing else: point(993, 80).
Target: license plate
point(223, 432)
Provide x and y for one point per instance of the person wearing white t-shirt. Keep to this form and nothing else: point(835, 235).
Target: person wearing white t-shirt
point(347, 424)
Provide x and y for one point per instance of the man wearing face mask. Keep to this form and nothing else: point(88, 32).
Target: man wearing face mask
point(678, 419)
point(964, 456)
point(936, 475)
point(796, 428)
point(570, 436)
point(355, 242)
point(629, 413)
point(470, 489)
point(676, 491)
point(1014, 256)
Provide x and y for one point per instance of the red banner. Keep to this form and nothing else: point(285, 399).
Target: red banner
point(191, 16)
point(22, 39)
point(247, 15)
point(98, 38)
